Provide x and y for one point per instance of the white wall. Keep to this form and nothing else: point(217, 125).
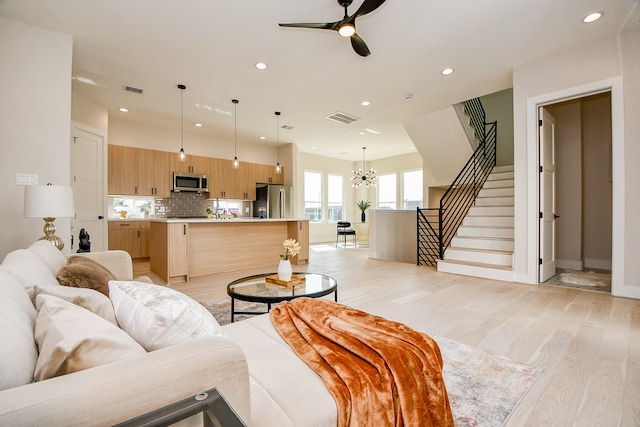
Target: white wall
point(597, 66)
point(35, 107)
point(326, 232)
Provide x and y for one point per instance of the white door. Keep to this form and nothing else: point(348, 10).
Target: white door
point(88, 181)
point(547, 196)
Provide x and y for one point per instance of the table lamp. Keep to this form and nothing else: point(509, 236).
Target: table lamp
point(49, 202)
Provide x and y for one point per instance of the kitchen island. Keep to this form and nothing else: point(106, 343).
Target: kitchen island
point(184, 248)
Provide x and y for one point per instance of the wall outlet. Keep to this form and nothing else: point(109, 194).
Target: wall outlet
point(26, 179)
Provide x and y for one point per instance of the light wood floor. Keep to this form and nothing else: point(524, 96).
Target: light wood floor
point(587, 342)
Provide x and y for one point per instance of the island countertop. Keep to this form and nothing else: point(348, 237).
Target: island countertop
point(225, 221)
point(181, 248)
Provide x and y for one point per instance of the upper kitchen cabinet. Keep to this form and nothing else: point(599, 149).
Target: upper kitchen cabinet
point(229, 183)
point(154, 173)
point(192, 164)
point(138, 172)
point(266, 174)
point(123, 170)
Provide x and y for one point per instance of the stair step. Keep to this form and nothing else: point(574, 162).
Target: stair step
point(496, 192)
point(499, 220)
point(504, 258)
point(484, 243)
point(497, 176)
point(495, 201)
point(485, 231)
point(500, 183)
point(487, 271)
point(503, 168)
point(491, 210)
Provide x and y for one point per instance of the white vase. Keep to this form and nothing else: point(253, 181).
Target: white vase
point(284, 270)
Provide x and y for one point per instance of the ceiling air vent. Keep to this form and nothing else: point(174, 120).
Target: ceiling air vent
point(342, 118)
point(133, 89)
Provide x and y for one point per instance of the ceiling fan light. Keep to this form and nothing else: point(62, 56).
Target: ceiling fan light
point(347, 30)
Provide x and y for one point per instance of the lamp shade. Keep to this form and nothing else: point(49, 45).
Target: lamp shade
point(48, 201)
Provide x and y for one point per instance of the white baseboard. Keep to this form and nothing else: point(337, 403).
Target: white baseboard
point(570, 264)
point(601, 264)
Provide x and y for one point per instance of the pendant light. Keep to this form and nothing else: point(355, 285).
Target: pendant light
point(183, 156)
point(278, 169)
point(236, 163)
point(361, 177)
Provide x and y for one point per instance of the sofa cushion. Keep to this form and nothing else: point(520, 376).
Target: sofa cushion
point(30, 269)
point(83, 272)
point(18, 351)
point(278, 375)
point(93, 301)
point(157, 316)
point(72, 339)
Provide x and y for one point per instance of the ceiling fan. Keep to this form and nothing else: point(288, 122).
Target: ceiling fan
point(346, 27)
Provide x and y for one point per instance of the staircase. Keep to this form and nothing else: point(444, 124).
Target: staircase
point(483, 244)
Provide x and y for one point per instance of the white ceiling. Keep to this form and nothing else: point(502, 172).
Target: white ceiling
point(211, 46)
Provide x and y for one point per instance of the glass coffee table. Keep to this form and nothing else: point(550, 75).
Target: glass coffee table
point(257, 289)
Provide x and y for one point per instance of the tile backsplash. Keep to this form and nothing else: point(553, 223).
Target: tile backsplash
point(188, 204)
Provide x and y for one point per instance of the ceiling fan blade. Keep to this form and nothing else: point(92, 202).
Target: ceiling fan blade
point(359, 46)
point(368, 6)
point(320, 26)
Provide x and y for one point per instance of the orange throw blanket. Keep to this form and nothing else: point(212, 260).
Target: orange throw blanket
point(380, 372)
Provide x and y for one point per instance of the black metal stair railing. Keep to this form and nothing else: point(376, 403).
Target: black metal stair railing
point(437, 226)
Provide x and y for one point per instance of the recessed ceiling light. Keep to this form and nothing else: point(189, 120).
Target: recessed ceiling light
point(447, 71)
point(365, 103)
point(198, 125)
point(314, 147)
point(412, 148)
point(592, 17)
point(261, 65)
point(123, 110)
point(263, 138)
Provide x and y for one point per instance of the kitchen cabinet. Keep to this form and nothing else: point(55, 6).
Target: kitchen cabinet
point(130, 236)
point(122, 170)
point(192, 164)
point(266, 174)
point(229, 183)
point(154, 173)
point(169, 251)
point(299, 230)
point(138, 172)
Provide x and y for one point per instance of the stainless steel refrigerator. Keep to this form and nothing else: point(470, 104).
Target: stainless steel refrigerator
point(273, 201)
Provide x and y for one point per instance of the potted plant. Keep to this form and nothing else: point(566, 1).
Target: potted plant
point(363, 205)
point(209, 213)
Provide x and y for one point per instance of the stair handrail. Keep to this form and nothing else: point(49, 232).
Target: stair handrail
point(462, 193)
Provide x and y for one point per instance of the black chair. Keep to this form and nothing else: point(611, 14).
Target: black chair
point(344, 229)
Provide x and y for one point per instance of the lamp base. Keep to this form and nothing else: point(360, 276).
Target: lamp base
point(49, 231)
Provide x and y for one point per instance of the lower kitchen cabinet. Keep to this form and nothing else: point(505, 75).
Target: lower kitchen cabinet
point(130, 236)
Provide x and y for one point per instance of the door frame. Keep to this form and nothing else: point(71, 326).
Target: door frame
point(105, 152)
point(615, 87)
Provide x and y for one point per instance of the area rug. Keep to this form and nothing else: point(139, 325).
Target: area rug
point(587, 279)
point(483, 388)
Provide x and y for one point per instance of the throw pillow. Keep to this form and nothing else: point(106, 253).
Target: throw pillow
point(83, 272)
point(157, 316)
point(18, 351)
point(29, 268)
point(93, 301)
point(72, 339)
point(49, 254)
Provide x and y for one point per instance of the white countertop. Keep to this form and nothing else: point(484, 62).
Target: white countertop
point(217, 221)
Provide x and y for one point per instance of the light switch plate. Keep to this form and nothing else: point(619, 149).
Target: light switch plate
point(26, 179)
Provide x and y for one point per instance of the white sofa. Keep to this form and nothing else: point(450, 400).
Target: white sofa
point(253, 368)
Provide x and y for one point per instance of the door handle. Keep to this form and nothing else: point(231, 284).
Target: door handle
point(556, 216)
point(100, 217)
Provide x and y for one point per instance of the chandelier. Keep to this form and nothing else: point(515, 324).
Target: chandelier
point(361, 177)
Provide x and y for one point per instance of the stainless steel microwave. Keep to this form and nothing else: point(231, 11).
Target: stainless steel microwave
point(190, 182)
